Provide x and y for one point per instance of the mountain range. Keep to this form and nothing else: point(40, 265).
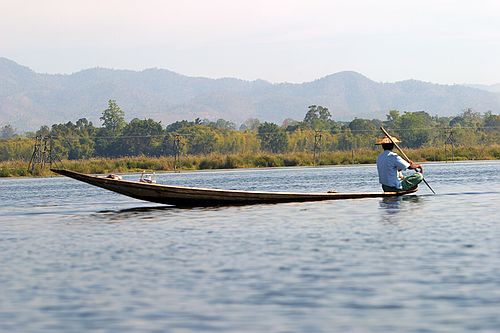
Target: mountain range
point(493, 87)
point(29, 99)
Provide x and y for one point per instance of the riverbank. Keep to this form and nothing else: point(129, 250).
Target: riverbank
point(257, 160)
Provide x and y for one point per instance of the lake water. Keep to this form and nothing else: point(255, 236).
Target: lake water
point(77, 258)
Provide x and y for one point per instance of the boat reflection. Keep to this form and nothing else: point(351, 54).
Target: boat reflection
point(394, 205)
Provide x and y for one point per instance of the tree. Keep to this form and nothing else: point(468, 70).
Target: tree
point(43, 131)
point(318, 118)
point(200, 139)
point(290, 125)
point(113, 118)
point(346, 141)
point(362, 133)
point(492, 127)
point(174, 127)
point(362, 127)
point(272, 138)
point(141, 137)
point(250, 124)
point(113, 122)
point(173, 144)
point(73, 141)
point(415, 128)
point(86, 132)
point(468, 118)
point(222, 124)
point(7, 132)
point(492, 121)
point(392, 119)
point(16, 149)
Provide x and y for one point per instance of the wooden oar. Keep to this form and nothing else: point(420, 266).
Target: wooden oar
point(404, 155)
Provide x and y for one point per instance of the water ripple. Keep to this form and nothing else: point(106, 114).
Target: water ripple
point(75, 258)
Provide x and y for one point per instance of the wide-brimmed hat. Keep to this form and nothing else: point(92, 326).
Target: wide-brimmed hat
point(385, 139)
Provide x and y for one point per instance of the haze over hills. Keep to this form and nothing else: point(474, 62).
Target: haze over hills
point(29, 99)
point(493, 87)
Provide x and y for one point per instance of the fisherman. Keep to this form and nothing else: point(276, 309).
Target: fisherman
point(389, 166)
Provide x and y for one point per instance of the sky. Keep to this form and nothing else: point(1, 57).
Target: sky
point(440, 41)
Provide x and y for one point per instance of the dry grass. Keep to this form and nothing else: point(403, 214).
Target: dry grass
point(222, 161)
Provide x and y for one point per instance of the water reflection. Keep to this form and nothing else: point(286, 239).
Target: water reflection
point(137, 209)
point(151, 213)
point(140, 213)
point(395, 205)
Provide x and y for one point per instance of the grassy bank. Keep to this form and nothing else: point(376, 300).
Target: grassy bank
point(220, 161)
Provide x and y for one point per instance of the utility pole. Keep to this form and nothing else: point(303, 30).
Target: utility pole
point(51, 146)
point(451, 141)
point(42, 153)
point(177, 150)
point(318, 136)
point(35, 156)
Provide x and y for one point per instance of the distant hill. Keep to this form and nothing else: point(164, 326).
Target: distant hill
point(493, 87)
point(29, 100)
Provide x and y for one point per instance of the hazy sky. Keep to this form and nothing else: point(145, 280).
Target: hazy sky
point(441, 41)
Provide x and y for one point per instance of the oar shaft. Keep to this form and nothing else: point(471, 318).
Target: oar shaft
point(426, 183)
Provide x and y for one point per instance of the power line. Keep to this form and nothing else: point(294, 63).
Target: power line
point(338, 131)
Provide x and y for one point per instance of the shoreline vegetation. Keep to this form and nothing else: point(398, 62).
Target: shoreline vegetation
point(19, 168)
point(118, 146)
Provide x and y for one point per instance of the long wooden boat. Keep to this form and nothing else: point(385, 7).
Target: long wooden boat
point(191, 196)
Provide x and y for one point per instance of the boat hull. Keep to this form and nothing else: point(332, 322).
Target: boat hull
point(191, 197)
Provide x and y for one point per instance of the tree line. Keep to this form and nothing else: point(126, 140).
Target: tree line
point(318, 131)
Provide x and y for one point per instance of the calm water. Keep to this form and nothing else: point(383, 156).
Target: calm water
point(76, 258)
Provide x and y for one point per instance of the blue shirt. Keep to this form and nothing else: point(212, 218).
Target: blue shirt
point(388, 165)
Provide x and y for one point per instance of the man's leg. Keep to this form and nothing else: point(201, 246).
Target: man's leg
point(412, 181)
point(390, 188)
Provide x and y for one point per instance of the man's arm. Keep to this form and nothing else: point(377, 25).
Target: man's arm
point(416, 166)
point(403, 165)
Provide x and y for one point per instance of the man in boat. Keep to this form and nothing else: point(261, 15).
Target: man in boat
point(390, 165)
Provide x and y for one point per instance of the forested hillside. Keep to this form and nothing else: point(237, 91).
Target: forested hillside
point(29, 99)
